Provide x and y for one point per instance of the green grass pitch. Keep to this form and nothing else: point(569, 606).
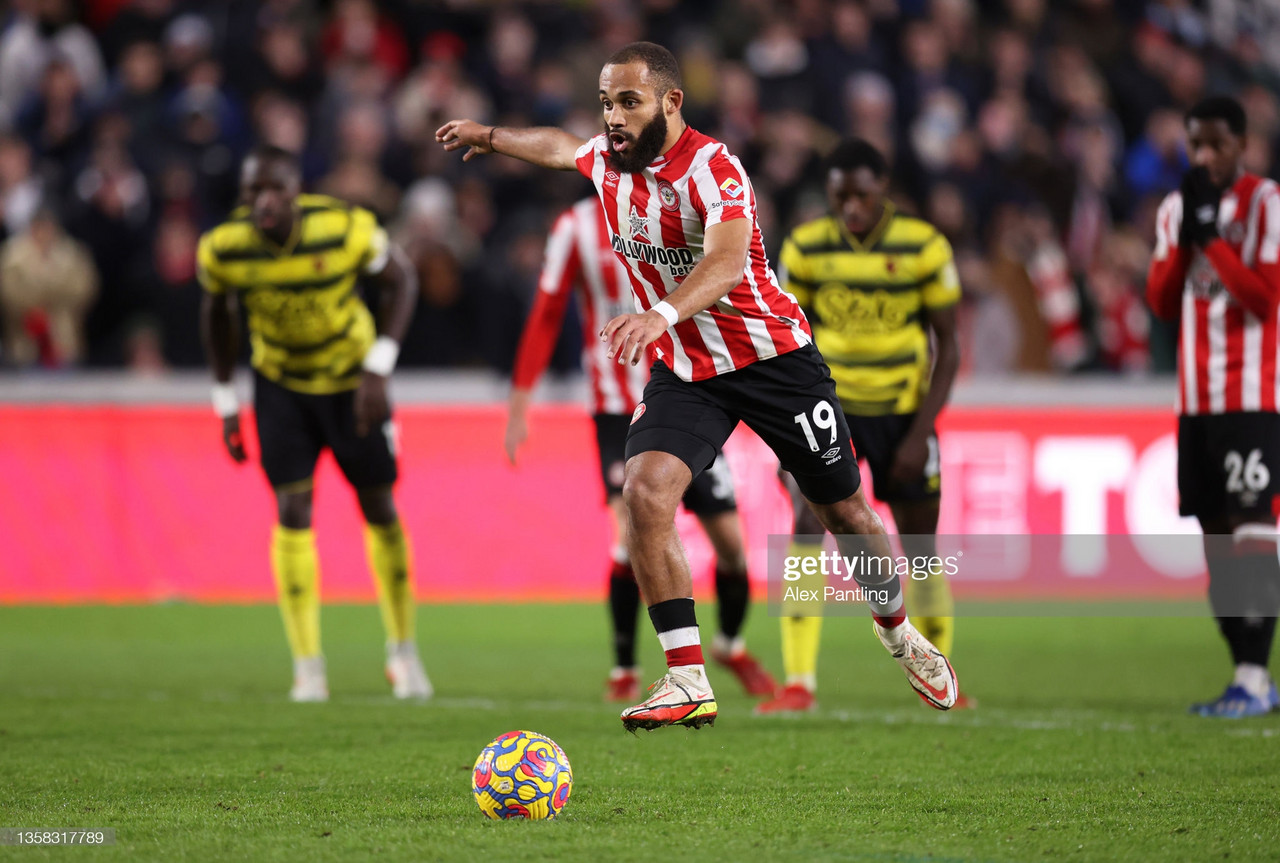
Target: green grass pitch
point(170, 724)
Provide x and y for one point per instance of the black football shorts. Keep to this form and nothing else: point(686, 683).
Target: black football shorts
point(876, 439)
point(1228, 465)
point(294, 428)
point(710, 493)
point(789, 401)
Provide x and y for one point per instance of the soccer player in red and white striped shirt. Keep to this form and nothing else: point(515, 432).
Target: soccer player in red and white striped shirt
point(731, 347)
point(579, 256)
point(1217, 264)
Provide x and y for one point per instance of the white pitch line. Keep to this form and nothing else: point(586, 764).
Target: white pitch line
point(1077, 721)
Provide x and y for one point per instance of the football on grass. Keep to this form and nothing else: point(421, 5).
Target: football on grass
point(522, 775)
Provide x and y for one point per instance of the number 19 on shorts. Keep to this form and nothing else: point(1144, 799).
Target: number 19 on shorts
point(824, 417)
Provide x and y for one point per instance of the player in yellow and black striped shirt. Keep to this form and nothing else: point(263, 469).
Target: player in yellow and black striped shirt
point(320, 381)
point(878, 287)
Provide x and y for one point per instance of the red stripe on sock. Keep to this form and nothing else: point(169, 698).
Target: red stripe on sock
point(889, 621)
point(691, 655)
point(622, 570)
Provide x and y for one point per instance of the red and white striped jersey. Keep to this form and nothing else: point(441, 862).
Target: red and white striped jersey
point(1226, 295)
point(657, 221)
point(579, 253)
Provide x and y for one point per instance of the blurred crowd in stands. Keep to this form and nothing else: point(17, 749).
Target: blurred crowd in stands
point(1039, 135)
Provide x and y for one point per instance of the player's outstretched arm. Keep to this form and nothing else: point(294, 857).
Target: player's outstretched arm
point(220, 332)
point(545, 146)
point(726, 246)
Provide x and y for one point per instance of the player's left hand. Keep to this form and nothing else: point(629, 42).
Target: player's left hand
point(373, 407)
point(909, 459)
point(629, 335)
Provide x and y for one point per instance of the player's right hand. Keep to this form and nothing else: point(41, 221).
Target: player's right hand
point(232, 439)
point(517, 422)
point(517, 433)
point(629, 335)
point(457, 134)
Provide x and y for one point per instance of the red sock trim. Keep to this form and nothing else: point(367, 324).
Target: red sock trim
point(691, 655)
point(622, 570)
point(889, 621)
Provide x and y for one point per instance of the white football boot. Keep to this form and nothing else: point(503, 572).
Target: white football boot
point(309, 680)
point(404, 670)
point(682, 696)
point(928, 671)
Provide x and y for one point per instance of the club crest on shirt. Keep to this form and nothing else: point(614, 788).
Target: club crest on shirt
point(731, 188)
point(668, 197)
point(638, 224)
point(1203, 279)
point(1234, 233)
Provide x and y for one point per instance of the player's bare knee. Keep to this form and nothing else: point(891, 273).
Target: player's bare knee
point(807, 522)
point(294, 509)
point(650, 501)
point(850, 516)
point(378, 505)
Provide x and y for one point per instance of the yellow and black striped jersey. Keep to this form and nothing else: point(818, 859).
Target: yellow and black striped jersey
point(866, 301)
point(308, 327)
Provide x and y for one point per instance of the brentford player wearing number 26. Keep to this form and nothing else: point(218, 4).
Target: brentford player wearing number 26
point(1217, 264)
point(731, 347)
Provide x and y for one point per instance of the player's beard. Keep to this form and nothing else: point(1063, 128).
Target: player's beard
point(643, 148)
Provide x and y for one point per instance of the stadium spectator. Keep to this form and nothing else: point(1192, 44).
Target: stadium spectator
point(21, 191)
point(47, 282)
point(1064, 107)
point(41, 31)
point(55, 119)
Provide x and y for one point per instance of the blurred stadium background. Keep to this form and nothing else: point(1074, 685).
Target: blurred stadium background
point(1039, 136)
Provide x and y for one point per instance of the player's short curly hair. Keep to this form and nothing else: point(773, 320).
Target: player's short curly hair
point(661, 63)
point(853, 153)
point(272, 153)
point(1222, 108)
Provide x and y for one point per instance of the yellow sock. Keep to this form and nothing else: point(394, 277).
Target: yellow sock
point(297, 573)
point(390, 560)
point(802, 633)
point(933, 610)
point(800, 638)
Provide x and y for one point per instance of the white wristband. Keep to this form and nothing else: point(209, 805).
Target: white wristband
point(225, 403)
point(381, 359)
point(668, 311)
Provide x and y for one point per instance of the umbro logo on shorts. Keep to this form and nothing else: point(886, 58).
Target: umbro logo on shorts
point(832, 455)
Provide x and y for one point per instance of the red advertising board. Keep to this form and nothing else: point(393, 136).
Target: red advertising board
point(138, 504)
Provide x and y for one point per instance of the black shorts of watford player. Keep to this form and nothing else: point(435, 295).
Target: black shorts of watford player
point(321, 365)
